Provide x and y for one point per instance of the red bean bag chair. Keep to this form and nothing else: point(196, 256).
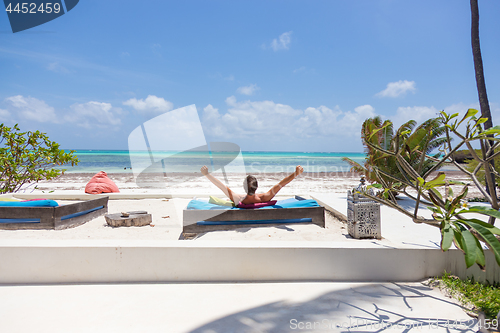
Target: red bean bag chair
point(100, 183)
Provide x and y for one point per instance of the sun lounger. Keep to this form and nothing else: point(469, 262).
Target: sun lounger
point(42, 215)
point(202, 216)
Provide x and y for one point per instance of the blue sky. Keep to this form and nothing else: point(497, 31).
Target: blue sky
point(266, 75)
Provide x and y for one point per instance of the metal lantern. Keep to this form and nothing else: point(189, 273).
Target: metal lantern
point(363, 214)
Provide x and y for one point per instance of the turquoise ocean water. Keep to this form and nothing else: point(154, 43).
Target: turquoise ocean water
point(119, 161)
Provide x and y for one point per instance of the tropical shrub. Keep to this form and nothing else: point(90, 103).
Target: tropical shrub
point(382, 167)
point(27, 157)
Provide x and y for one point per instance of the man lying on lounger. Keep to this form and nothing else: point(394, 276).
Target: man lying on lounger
point(250, 185)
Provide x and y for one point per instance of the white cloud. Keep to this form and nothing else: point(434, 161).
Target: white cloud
point(417, 113)
point(33, 109)
point(304, 70)
point(462, 108)
point(325, 122)
point(212, 116)
point(422, 113)
point(301, 69)
point(58, 68)
point(282, 42)
point(273, 126)
point(4, 115)
point(248, 90)
point(396, 89)
point(156, 48)
point(267, 121)
point(246, 118)
point(151, 104)
point(92, 114)
point(218, 75)
point(365, 111)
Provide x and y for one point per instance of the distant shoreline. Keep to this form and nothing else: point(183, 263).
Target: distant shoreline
point(187, 182)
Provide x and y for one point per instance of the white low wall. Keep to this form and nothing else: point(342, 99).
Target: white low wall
point(188, 261)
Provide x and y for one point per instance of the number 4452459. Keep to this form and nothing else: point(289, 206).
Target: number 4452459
point(31, 8)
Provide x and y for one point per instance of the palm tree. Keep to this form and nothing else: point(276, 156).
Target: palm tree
point(478, 65)
point(483, 97)
point(374, 158)
point(415, 144)
point(419, 144)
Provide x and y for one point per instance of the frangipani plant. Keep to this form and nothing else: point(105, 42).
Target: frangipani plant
point(449, 211)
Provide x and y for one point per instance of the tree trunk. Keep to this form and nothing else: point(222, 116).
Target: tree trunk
point(483, 98)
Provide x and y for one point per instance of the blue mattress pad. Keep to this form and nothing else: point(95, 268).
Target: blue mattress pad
point(288, 203)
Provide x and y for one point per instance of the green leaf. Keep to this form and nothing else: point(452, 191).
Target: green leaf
point(421, 181)
point(459, 240)
point(470, 113)
point(482, 210)
point(438, 180)
point(375, 185)
point(469, 247)
point(481, 120)
point(459, 197)
point(491, 130)
point(436, 210)
point(405, 132)
point(480, 260)
point(492, 241)
point(456, 182)
point(436, 193)
point(375, 131)
point(491, 228)
point(447, 237)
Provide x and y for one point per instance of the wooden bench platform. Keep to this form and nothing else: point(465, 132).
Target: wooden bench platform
point(60, 217)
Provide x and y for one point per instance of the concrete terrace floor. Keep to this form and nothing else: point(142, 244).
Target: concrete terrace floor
point(231, 307)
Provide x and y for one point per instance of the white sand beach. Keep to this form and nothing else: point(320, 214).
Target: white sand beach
point(169, 201)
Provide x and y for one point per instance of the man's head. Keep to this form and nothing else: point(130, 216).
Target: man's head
point(250, 185)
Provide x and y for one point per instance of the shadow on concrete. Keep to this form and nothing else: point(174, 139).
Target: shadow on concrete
point(247, 229)
point(435, 245)
point(390, 307)
point(409, 205)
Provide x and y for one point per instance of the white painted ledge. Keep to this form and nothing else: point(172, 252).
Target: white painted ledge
point(115, 261)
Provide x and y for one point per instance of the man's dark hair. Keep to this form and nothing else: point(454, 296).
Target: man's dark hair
point(250, 184)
